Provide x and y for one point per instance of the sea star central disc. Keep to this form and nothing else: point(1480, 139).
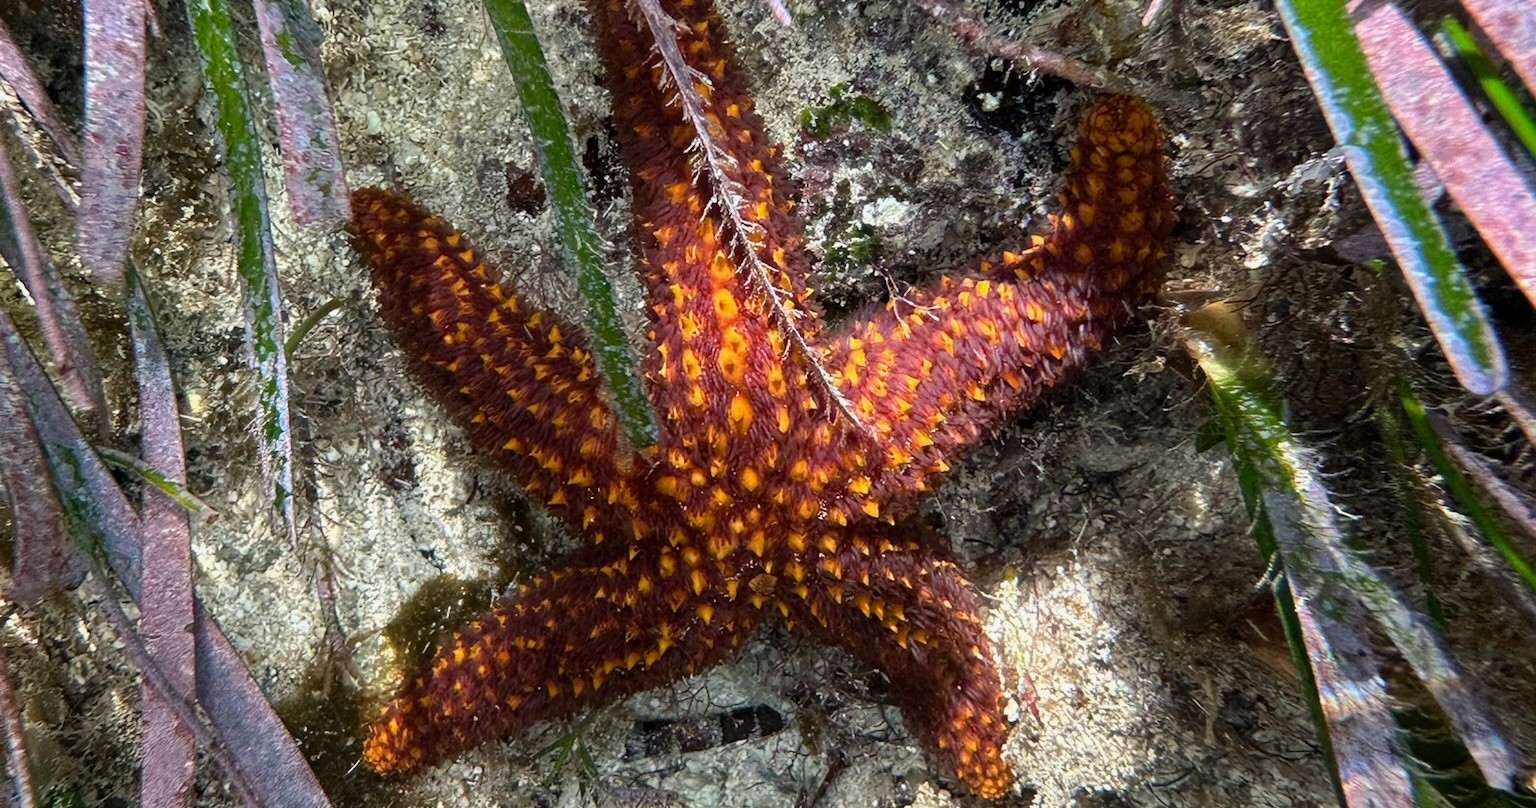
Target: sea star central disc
point(760, 498)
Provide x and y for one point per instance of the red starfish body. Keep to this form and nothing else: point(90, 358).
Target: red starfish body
point(759, 497)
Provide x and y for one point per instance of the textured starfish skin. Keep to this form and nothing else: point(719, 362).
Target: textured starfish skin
point(758, 499)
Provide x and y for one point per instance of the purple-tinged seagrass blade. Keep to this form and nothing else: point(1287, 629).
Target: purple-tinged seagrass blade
point(169, 753)
point(1511, 26)
point(113, 143)
point(317, 189)
point(1449, 132)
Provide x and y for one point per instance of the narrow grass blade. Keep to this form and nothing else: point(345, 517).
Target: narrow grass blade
point(1456, 483)
point(573, 215)
point(113, 142)
point(306, 126)
point(106, 525)
point(165, 607)
point(1515, 592)
point(236, 706)
point(17, 761)
point(59, 321)
point(1337, 596)
point(94, 508)
point(1499, 93)
point(18, 74)
point(1485, 183)
point(1440, 674)
point(1414, 501)
point(299, 332)
point(1515, 507)
point(160, 689)
point(1336, 68)
point(1511, 26)
point(255, 262)
point(43, 558)
point(1324, 628)
point(1447, 776)
point(168, 487)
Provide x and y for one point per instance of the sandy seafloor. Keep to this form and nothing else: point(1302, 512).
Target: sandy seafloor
point(1122, 588)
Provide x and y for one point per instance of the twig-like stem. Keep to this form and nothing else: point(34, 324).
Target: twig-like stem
point(300, 331)
point(978, 38)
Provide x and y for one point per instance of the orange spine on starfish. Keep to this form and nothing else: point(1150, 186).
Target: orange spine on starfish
point(518, 379)
point(949, 361)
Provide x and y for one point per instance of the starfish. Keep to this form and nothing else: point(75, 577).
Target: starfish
point(760, 498)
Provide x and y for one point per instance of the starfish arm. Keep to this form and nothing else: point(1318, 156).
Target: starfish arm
point(720, 364)
point(912, 615)
point(518, 379)
point(619, 622)
point(669, 168)
point(952, 359)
